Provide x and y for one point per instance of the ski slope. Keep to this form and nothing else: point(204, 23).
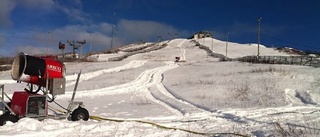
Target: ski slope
point(200, 94)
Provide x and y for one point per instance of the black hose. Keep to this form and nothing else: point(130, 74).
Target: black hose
point(51, 99)
point(60, 106)
point(30, 90)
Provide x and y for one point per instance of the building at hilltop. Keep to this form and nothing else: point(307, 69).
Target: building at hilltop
point(201, 34)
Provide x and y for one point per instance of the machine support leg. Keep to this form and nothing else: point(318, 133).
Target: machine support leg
point(2, 99)
point(71, 104)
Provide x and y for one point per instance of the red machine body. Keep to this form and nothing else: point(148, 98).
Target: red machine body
point(27, 103)
point(24, 103)
point(35, 70)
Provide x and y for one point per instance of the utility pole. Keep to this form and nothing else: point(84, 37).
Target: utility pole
point(49, 33)
point(259, 19)
point(90, 43)
point(227, 44)
point(159, 39)
point(211, 41)
point(211, 44)
point(113, 27)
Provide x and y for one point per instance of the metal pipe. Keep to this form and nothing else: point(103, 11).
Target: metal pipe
point(259, 19)
point(71, 103)
point(227, 44)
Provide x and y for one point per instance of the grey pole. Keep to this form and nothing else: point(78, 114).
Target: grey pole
point(227, 44)
point(259, 19)
point(113, 27)
point(49, 33)
point(90, 43)
point(112, 36)
point(211, 43)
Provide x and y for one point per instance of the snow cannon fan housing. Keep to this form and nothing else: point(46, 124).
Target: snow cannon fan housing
point(35, 70)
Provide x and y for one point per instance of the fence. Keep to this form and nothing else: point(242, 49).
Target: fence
point(290, 60)
point(212, 54)
point(151, 47)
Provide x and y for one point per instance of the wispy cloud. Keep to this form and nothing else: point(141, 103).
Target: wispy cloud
point(127, 31)
point(144, 4)
point(73, 10)
point(43, 5)
point(35, 39)
point(32, 50)
point(6, 7)
point(96, 33)
point(134, 30)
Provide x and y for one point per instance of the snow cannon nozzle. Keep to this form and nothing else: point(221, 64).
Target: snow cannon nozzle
point(35, 70)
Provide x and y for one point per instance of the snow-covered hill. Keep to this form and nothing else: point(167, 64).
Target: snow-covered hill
point(200, 94)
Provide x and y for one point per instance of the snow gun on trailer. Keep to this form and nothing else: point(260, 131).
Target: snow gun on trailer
point(45, 79)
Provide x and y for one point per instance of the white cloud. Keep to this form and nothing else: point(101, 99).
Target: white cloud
point(32, 50)
point(100, 38)
point(6, 7)
point(103, 27)
point(128, 31)
point(46, 5)
point(144, 30)
point(73, 9)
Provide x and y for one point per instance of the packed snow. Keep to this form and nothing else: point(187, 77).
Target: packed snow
point(200, 94)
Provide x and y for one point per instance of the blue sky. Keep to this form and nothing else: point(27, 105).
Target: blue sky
point(32, 26)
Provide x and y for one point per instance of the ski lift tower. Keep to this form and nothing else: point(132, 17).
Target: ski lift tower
point(81, 43)
point(76, 45)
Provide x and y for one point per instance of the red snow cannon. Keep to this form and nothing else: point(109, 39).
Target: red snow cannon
point(36, 70)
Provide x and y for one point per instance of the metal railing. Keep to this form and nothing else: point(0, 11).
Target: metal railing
point(2, 99)
point(289, 60)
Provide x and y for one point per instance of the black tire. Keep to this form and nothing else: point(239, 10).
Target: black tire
point(8, 117)
point(80, 114)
